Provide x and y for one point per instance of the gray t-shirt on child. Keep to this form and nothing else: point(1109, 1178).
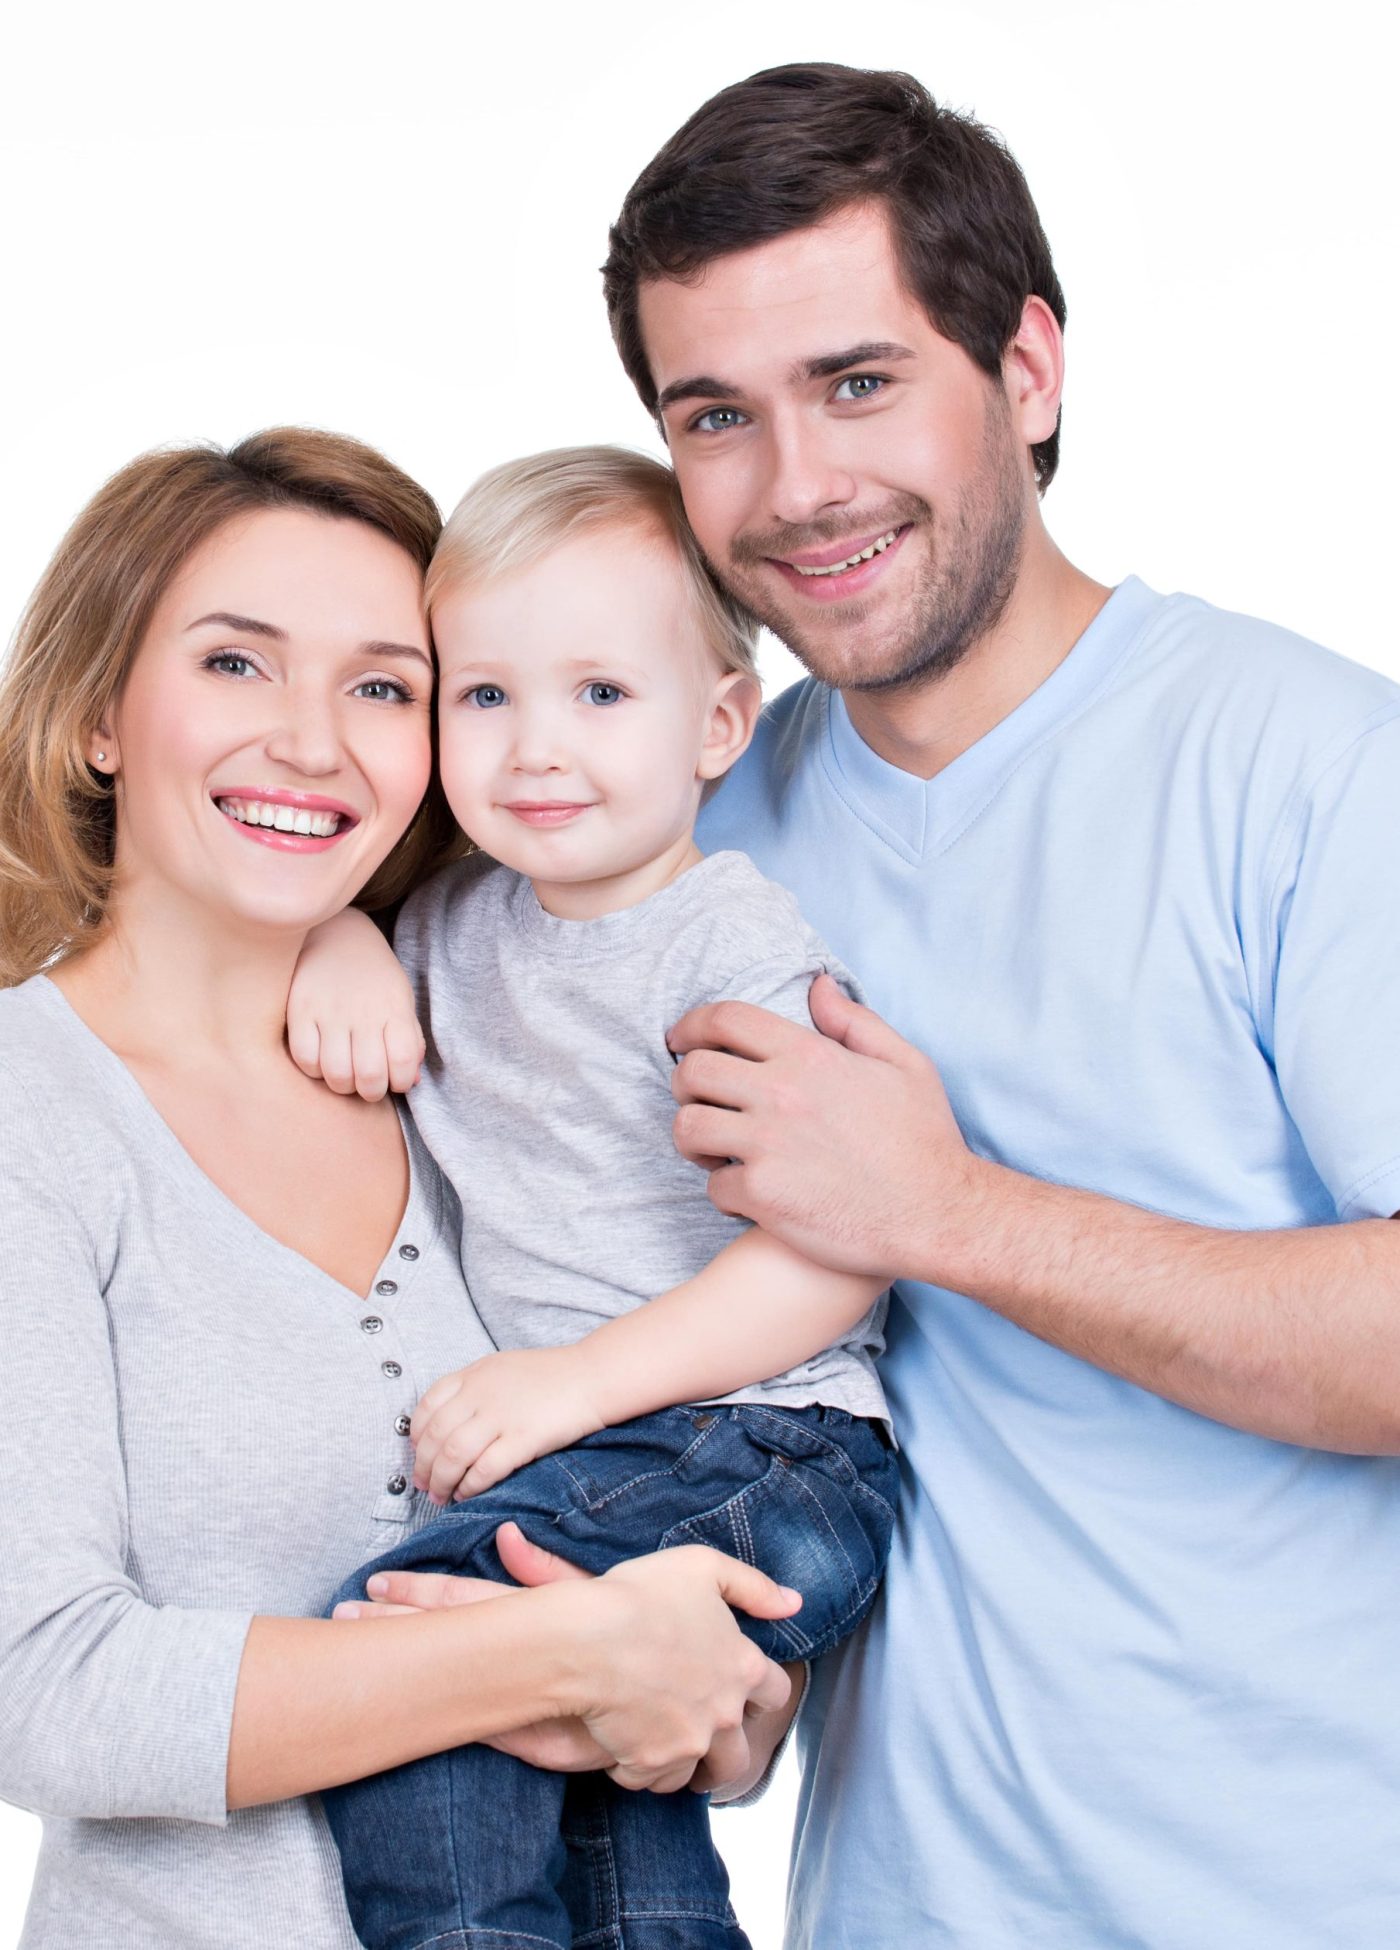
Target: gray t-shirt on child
point(546, 1094)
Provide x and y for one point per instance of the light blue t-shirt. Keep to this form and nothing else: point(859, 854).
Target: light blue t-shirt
point(1134, 1683)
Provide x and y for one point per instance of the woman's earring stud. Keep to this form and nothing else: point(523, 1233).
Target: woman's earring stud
point(101, 758)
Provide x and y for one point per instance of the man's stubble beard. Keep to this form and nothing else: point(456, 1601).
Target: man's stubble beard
point(968, 577)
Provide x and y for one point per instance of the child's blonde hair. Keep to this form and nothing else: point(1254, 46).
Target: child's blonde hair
point(517, 512)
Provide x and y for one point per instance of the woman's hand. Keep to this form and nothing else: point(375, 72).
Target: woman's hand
point(666, 1680)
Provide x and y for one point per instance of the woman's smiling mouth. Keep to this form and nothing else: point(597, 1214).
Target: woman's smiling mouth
point(298, 822)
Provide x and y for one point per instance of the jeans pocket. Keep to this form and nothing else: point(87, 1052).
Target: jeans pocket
point(825, 1537)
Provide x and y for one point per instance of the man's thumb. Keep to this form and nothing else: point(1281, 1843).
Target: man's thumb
point(855, 1026)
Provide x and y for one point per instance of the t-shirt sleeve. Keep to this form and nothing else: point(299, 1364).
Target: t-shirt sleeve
point(1336, 934)
point(108, 1705)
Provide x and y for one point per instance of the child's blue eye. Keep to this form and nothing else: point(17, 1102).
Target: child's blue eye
point(486, 696)
point(604, 694)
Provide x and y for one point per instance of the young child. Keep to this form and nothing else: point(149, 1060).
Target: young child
point(593, 684)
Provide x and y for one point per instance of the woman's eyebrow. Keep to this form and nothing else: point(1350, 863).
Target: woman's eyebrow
point(252, 626)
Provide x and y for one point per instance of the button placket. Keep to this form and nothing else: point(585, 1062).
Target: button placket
point(396, 1500)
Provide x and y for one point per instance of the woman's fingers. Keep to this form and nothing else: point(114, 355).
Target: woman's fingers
point(748, 1589)
point(367, 1608)
point(431, 1590)
point(527, 1563)
point(728, 1759)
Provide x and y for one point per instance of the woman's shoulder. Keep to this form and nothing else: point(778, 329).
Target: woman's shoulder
point(50, 1063)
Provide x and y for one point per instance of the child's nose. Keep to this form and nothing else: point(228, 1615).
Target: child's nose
point(538, 747)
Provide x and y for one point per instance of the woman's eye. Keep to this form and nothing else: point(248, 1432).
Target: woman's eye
point(485, 696)
point(719, 419)
point(604, 694)
point(384, 690)
point(862, 385)
point(232, 663)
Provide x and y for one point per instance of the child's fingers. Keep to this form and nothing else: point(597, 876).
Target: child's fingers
point(304, 1044)
point(337, 1062)
point(431, 1401)
point(371, 1063)
point(458, 1455)
point(404, 1048)
point(499, 1459)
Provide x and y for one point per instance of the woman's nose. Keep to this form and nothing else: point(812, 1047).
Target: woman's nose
point(306, 736)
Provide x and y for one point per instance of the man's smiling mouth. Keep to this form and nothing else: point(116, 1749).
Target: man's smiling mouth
point(850, 562)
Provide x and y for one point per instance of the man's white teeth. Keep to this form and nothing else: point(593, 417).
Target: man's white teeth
point(851, 561)
point(283, 819)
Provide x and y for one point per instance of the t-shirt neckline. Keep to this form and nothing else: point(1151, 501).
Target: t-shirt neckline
point(919, 818)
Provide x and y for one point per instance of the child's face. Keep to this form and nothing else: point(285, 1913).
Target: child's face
point(581, 713)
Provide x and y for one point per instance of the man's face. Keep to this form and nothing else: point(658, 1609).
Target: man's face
point(854, 478)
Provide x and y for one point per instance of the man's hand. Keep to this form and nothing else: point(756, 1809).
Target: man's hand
point(842, 1145)
point(474, 1427)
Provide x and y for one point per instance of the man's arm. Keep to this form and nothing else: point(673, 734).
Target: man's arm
point(846, 1148)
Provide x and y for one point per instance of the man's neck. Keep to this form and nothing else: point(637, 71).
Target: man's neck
point(923, 729)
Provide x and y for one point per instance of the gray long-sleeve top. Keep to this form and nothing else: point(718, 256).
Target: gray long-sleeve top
point(210, 1429)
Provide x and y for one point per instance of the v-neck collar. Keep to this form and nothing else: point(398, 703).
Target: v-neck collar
point(920, 818)
point(419, 1221)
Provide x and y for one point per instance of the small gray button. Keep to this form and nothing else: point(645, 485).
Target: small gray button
point(371, 1324)
point(390, 1368)
point(408, 1252)
point(403, 1424)
point(386, 1287)
point(396, 1485)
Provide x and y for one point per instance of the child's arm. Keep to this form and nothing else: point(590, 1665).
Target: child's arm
point(350, 1014)
point(755, 1311)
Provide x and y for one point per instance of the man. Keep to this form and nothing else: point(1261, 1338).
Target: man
point(1116, 866)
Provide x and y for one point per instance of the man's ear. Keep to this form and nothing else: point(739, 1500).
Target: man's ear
point(1033, 372)
point(734, 707)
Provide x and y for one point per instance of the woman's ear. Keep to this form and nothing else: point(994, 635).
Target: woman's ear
point(734, 707)
point(102, 751)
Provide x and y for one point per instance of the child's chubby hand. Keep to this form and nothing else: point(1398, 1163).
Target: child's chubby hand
point(350, 1013)
point(474, 1427)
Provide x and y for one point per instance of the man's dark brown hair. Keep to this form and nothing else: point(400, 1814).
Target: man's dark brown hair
point(789, 147)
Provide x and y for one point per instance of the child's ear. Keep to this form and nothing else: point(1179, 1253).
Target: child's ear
point(734, 707)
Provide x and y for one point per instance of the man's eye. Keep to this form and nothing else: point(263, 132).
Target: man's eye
point(718, 419)
point(604, 694)
point(862, 385)
point(485, 696)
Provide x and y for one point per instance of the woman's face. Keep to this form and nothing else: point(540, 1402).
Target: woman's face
point(271, 741)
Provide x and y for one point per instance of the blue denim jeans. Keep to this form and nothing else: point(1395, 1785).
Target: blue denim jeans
point(472, 1850)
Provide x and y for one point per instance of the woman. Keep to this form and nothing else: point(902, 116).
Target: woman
point(226, 1286)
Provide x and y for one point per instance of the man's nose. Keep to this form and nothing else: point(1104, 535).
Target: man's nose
point(807, 475)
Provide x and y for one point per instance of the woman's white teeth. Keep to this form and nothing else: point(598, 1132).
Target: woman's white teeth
point(283, 819)
point(851, 561)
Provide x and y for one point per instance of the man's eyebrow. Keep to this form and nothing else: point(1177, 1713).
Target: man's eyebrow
point(225, 619)
point(825, 366)
point(868, 352)
point(700, 387)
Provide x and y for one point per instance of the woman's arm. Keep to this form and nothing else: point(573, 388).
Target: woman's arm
point(648, 1658)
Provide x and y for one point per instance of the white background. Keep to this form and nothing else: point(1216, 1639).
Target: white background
point(389, 222)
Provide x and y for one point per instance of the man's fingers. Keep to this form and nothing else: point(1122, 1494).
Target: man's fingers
point(528, 1564)
point(699, 1131)
point(841, 1020)
point(726, 1191)
point(709, 1076)
point(742, 1028)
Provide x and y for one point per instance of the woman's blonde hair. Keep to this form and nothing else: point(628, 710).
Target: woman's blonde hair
point(83, 627)
point(518, 512)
